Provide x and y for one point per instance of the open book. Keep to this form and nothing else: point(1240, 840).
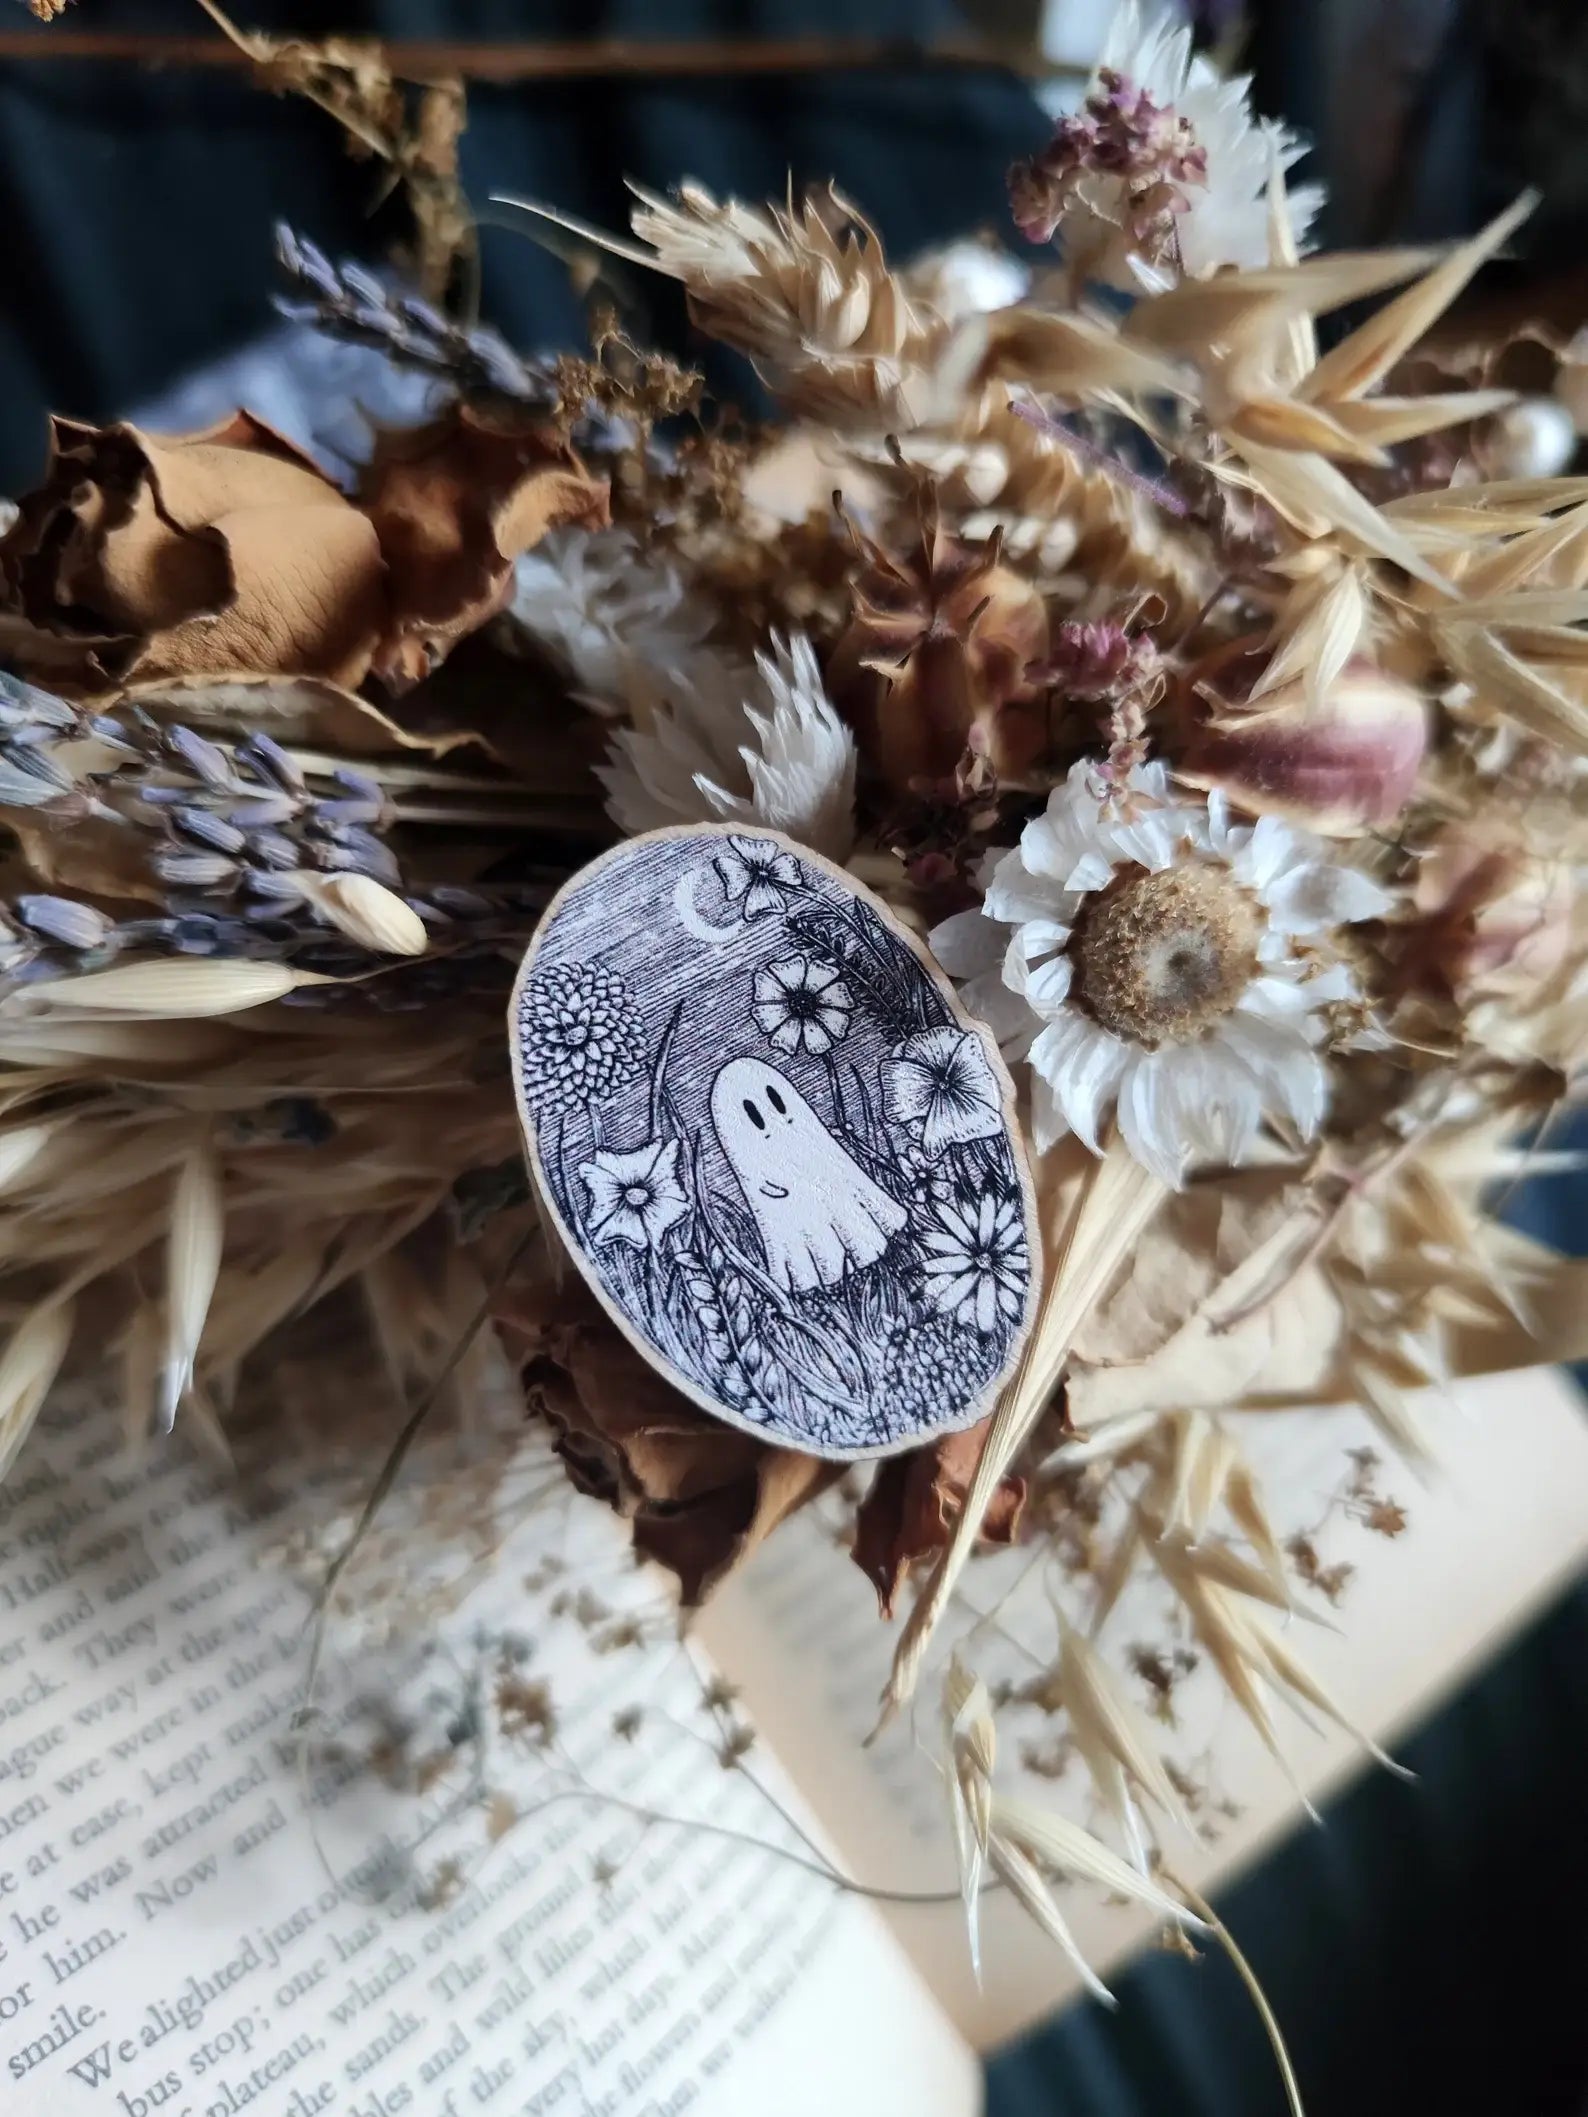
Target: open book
point(625, 1910)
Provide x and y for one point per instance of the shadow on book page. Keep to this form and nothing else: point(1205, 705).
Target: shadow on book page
point(424, 1912)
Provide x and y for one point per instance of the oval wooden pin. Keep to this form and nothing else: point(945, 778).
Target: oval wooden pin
point(785, 1160)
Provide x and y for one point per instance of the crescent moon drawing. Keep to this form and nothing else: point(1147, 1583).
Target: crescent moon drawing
point(701, 929)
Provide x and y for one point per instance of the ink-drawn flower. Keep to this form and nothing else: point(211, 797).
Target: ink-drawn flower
point(940, 1079)
point(635, 1197)
point(976, 1261)
point(581, 1038)
point(928, 1178)
point(758, 875)
point(802, 1004)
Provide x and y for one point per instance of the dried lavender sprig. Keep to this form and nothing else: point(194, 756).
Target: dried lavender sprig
point(347, 302)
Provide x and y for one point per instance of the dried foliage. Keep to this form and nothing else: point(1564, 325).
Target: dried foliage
point(413, 129)
point(1216, 707)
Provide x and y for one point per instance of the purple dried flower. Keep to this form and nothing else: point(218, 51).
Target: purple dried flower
point(264, 810)
point(37, 776)
point(362, 792)
point(275, 889)
point(343, 846)
point(196, 935)
point(1096, 663)
point(269, 848)
point(67, 924)
point(1125, 137)
point(270, 762)
point(204, 828)
point(24, 705)
point(185, 870)
point(111, 733)
point(206, 760)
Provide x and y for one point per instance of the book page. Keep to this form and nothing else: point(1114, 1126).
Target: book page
point(1502, 1526)
point(421, 1920)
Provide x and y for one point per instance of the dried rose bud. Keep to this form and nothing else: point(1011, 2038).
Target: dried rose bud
point(934, 662)
point(1340, 764)
point(1495, 917)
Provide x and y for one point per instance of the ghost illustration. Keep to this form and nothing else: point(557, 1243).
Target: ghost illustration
point(819, 1213)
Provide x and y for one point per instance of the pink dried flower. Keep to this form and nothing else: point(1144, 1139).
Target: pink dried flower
point(1339, 763)
point(1096, 662)
point(1122, 134)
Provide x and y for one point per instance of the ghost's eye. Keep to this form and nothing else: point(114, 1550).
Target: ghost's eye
point(776, 1101)
point(754, 1115)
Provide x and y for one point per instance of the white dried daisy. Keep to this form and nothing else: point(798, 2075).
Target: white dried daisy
point(1152, 960)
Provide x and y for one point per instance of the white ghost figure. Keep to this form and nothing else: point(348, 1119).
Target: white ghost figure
point(819, 1213)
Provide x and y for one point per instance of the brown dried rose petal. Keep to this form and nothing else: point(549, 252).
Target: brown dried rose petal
point(700, 1495)
point(141, 557)
point(914, 1502)
point(454, 503)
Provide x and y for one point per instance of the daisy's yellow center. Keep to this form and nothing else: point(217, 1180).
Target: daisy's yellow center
point(1161, 958)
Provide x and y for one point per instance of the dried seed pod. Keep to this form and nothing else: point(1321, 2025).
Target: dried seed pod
point(935, 658)
point(1339, 763)
point(359, 907)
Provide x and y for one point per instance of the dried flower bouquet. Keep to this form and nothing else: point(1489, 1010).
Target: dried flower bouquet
point(1213, 704)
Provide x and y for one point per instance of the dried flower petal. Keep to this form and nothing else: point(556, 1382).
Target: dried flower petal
point(144, 556)
point(909, 1513)
point(453, 504)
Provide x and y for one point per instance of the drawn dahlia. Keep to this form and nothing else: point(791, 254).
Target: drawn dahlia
point(580, 1036)
point(1153, 960)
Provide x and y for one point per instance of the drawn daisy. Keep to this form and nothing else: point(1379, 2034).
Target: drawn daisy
point(580, 1036)
point(758, 875)
point(635, 1197)
point(1154, 960)
point(976, 1261)
point(940, 1080)
point(802, 1004)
